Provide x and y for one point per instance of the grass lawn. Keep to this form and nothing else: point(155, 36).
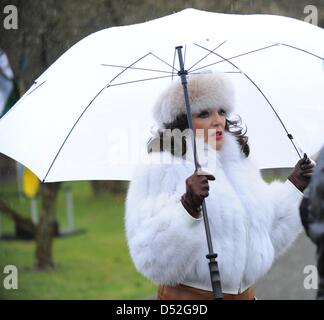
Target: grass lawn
point(90, 265)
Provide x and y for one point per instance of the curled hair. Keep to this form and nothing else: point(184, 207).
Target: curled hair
point(235, 128)
point(158, 142)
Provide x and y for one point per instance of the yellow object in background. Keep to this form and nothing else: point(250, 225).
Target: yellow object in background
point(30, 183)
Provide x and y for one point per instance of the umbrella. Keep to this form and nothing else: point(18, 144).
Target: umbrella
point(65, 126)
point(88, 116)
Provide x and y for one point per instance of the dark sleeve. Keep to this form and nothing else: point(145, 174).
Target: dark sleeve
point(304, 213)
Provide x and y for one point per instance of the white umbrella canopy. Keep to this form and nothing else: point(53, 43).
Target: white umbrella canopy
point(88, 116)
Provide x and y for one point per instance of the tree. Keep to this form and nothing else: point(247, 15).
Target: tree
point(46, 228)
point(24, 224)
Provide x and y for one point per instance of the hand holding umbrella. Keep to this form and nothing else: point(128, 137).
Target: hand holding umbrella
point(196, 190)
point(302, 173)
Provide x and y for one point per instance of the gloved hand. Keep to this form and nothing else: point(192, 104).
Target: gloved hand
point(197, 189)
point(302, 173)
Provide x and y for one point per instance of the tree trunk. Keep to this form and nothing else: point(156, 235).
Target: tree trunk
point(24, 224)
point(45, 229)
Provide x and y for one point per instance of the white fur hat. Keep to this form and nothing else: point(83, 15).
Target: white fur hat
point(212, 90)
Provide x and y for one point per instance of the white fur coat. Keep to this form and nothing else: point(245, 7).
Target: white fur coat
point(251, 222)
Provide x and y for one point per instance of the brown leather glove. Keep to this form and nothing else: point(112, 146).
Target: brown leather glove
point(197, 189)
point(302, 173)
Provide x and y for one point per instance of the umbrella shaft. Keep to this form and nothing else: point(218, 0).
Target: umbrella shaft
point(213, 265)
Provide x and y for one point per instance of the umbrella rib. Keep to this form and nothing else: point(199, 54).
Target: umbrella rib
point(20, 100)
point(140, 80)
point(206, 55)
point(257, 87)
point(85, 109)
point(172, 67)
point(222, 71)
point(232, 72)
point(234, 57)
point(68, 135)
point(302, 50)
point(36, 88)
point(134, 68)
point(174, 56)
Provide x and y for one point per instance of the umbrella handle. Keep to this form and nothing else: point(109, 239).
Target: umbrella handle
point(213, 265)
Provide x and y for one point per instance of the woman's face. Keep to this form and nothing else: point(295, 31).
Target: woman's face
point(213, 124)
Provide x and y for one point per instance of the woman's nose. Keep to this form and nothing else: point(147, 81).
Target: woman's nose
point(216, 118)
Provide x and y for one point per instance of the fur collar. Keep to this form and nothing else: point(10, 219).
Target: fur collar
point(211, 158)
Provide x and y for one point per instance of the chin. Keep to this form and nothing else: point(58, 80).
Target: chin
point(219, 146)
point(213, 146)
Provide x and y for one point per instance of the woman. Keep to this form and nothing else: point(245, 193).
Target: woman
point(251, 222)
